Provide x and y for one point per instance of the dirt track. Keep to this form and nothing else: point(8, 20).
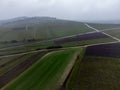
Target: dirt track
point(90, 36)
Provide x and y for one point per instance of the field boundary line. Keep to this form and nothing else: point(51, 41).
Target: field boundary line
point(5, 56)
point(69, 67)
point(96, 30)
point(109, 29)
point(102, 32)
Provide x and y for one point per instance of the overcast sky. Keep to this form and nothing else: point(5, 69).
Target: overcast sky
point(67, 9)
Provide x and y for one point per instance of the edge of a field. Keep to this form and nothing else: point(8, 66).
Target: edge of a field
point(74, 71)
point(3, 88)
point(35, 65)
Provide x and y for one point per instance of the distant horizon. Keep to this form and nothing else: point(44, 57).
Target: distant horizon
point(92, 21)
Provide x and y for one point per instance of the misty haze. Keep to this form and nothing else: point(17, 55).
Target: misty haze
point(60, 45)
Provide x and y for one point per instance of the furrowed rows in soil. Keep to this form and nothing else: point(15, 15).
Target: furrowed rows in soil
point(110, 50)
point(11, 61)
point(91, 36)
point(19, 69)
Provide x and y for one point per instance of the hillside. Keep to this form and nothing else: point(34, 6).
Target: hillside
point(59, 54)
point(39, 28)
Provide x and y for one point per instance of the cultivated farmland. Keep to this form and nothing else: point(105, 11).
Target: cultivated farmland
point(40, 53)
point(98, 70)
point(88, 42)
point(40, 30)
point(51, 71)
point(25, 48)
point(83, 37)
point(114, 32)
point(95, 73)
point(105, 26)
point(110, 50)
point(14, 67)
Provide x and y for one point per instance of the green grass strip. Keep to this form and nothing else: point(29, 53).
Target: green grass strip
point(46, 73)
point(70, 83)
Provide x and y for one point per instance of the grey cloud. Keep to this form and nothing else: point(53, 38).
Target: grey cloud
point(67, 9)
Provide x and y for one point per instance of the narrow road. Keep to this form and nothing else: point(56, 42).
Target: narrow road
point(96, 30)
point(103, 32)
point(18, 54)
point(110, 29)
point(92, 27)
point(17, 46)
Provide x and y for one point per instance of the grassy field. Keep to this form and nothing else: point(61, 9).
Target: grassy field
point(48, 73)
point(70, 79)
point(12, 68)
point(7, 59)
point(39, 31)
point(43, 45)
point(26, 48)
point(67, 68)
point(105, 26)
point(42, 30)
point(95, 73)
point(115, 32)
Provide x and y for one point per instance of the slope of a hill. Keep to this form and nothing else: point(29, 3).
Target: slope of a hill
point(40, 28)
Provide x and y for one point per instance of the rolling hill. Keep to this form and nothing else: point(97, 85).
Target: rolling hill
point(43, 53)
point(39, 28)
